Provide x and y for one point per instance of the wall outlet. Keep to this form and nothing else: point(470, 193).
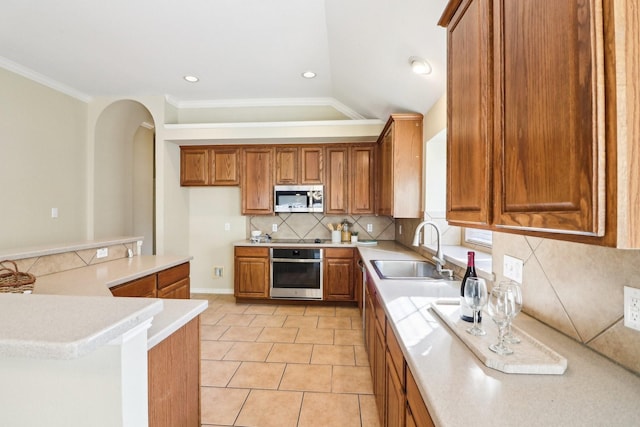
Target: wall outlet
point(369, 228)
point(102, 253)
point(54, 212)
point(227, 226)
point(217, 272)
point(400, 229)
point(632, 308)
point(274, 228)
point(512, 268)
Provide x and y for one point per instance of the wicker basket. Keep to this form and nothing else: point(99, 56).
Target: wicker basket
point(12, 280)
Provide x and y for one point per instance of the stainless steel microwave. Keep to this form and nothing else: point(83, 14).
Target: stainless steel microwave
point(298, 198)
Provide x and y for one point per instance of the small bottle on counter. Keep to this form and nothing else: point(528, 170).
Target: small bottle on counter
point(466, 313)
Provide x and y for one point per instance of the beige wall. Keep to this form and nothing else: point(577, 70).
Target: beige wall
point(42, 164)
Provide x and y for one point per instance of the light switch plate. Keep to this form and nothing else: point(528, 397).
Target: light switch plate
point(512, 268)
point(632, 308)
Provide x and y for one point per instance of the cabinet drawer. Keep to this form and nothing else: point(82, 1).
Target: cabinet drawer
point(172, 275)
point(338, 253)
point(144, 287)
point(244, 251)
point(396, 354)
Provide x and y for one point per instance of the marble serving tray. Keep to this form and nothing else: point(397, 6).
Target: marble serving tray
point(530, 356)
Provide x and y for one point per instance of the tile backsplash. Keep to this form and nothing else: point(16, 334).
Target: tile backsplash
point(574, 288)
point(314, 226)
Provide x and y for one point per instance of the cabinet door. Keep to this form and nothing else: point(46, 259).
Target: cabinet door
point(395, 399)
point(311, 165)
point(257, 181)
point(369, 329)
point(177, 290)
point(286, 166)
point(338, 275)
point(385, 173)
point(470, 114)
point(251, 273)
point(379, 377)
point(362, 186)
point(194, 166)
point(550, 153)
point(224, 166)
point(143, 287)
point(337, 180)
point(417, 408)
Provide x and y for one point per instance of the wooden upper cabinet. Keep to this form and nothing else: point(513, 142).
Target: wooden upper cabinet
point(286, 165)
point(400, 149)
point(194, 166)
point(362, 186)
point(224, 166)
point(550, 149)
point(539, 73)
point(350, 182)
point(209, 166)
point(257, 180)
point(311, 165)
point(470, 114)
point(336, 186)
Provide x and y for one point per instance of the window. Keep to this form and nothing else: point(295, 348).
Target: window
point(478, 237)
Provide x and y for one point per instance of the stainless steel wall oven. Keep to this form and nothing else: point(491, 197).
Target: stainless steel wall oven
point(296, 273)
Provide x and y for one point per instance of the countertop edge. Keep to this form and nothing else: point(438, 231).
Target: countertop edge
point(176, 314)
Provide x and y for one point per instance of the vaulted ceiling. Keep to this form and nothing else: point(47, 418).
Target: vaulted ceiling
point(240, 49)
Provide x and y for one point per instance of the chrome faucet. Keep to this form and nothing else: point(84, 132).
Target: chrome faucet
point(439, 256)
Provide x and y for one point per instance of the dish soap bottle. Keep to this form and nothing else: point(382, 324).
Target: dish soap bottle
point(466, 313)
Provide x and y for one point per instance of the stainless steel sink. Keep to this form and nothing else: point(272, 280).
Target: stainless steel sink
point(406, 270)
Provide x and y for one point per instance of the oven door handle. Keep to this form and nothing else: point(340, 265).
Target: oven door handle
point(296, 260)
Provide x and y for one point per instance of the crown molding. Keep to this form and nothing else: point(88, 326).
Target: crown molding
point(43, 80)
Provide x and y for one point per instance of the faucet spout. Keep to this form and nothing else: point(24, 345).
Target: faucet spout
point(439, 256)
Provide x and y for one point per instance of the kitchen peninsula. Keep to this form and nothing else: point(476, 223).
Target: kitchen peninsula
point(90, 356)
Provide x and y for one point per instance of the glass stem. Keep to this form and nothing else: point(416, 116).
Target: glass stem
point(475, 319)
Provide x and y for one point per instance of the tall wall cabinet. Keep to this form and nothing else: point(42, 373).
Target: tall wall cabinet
point(539, 127)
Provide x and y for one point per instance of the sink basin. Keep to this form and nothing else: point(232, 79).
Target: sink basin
point(406, 270)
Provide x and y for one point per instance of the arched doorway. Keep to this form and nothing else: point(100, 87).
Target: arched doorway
point(124, 173)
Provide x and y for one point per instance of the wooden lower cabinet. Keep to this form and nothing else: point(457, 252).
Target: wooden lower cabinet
point(173, 282)
point(251, 272)
point(339, 275)
point(398, 399)
point(415, 404)
point(174, 378)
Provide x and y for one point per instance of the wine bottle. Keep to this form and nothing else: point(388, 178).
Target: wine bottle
point(466, 313)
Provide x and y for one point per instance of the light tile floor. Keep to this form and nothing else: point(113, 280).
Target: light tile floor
point(283, 365)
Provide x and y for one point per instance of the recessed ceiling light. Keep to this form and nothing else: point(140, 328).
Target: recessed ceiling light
point(308, 74)
point(191, 79)
point(420, 65)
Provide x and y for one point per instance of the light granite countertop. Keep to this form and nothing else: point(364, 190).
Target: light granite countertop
point(97, 279)
point(72, 312)
point(459, 389)
point(67, 327)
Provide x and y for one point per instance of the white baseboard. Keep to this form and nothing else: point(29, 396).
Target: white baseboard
point(222, 291)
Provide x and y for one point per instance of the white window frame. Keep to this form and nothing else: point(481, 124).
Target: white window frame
point(475, 236)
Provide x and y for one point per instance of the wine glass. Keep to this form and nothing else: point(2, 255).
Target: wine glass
point(475, 295)
point(516, 301)
point(500, 308)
